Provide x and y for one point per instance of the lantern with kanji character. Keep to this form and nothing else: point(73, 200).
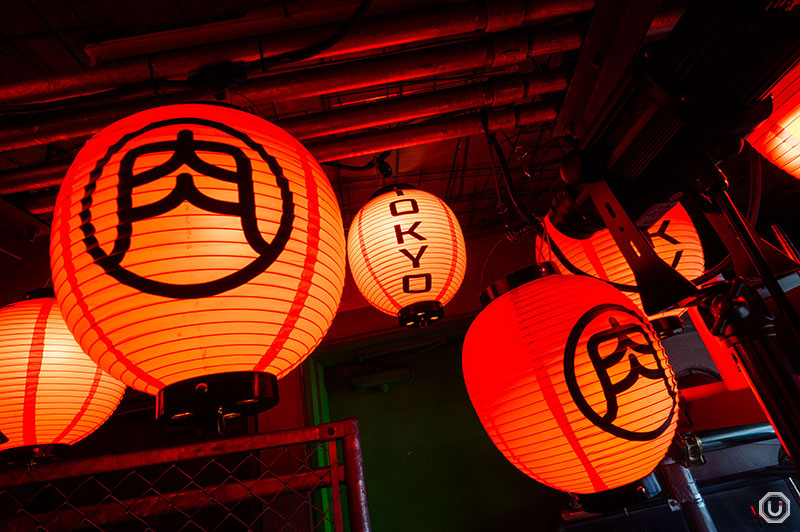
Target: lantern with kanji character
point(198, 254)
point(570, 381)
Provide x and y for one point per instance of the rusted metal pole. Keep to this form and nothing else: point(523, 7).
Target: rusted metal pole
point(372, 33)
point(357, 503)
point(92, 466)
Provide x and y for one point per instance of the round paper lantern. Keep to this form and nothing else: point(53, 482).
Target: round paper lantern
point(778, 137)
point(50, 391)
point(674, 239)
point(406, 252)
point(197, 240)
point(570, 381)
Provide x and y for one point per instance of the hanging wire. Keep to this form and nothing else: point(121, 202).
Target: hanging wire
point(308, 52)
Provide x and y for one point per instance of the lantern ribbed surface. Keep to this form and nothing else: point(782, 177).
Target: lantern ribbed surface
point(673, 236)
point(196, 239)
point(50, 391)
point(405, 246)
point(571, 383)
point(778, 137)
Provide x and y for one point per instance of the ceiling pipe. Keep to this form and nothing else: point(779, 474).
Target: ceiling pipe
point(429, 131)
point(496, 50)
point(434, 130)
point(497, 91)
point(372, 33)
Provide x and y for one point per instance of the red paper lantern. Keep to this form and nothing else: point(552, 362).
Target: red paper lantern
point(196, 240)
point(571, 383)
point(674, 239)
point(778, 137)
point(406, 252)
point(50, 391)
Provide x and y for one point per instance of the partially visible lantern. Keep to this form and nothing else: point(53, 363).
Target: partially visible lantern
point(50, 391)
point(406, 252)
point(197, 249)
point(674, 239)
point(571, 383)
point(778, 137)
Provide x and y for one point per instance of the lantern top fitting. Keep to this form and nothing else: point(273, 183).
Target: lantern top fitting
point(391, 188)
point(515, 280)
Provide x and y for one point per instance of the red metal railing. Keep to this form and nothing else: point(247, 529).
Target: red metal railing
point(290, 480)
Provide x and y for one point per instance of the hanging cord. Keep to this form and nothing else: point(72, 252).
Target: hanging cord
point(266, 63)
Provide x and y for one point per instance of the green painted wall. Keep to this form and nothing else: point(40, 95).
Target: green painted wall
point(429, 464)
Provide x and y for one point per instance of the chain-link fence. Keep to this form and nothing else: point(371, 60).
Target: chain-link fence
point(295, 480)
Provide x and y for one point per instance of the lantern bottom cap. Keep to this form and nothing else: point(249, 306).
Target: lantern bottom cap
point(208, 398)
point(34, 453)
point(420, 314)
point(667, 326)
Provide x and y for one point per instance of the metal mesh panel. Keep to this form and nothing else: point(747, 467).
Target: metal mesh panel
point(284, 481)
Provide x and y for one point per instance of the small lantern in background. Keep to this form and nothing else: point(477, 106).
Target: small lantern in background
point(570, 381)
point(51, 393)
point(406, 253)
point(778, 137)
point(674, 240)
point(197, 254)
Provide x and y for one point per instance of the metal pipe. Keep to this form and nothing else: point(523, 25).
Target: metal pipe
point(493, 93)
point(683, 489)
point(430, 131)
point(357, 503)
point(331, 150)
point(713, 440)
point(498, 91)
point(372, 33)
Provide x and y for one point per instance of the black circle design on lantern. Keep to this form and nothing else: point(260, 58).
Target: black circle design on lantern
point(625, 346)
point(184, 152)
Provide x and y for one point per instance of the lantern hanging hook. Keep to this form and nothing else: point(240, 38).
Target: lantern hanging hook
point(220, 422)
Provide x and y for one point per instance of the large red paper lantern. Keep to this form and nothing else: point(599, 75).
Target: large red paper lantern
point(197, 240)
point(570, 381)
point(50, 391)
point(406, 252)
point(674, 240)
point(778, 137)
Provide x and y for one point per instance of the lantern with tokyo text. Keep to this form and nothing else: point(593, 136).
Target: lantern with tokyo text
point(674, 240)
point(570, 381)
point(778, 137)
point(406, 253)
point(51, 393)
point(197, 254)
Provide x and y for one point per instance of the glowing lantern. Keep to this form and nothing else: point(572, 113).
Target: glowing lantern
point(674, 239)
point(571, 383)
point(406, 253)
point(778, 137)
point(50, 391)
point(197, 248)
